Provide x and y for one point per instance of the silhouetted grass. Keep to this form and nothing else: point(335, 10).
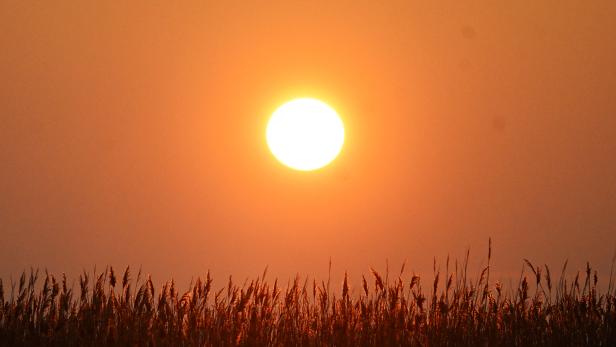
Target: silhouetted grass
point(385, 311)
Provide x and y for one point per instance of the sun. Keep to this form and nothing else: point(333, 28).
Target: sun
point(305, 134)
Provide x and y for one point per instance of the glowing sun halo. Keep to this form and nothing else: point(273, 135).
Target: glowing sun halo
point(305, 134)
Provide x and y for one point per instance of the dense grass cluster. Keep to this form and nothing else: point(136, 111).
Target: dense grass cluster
point(383, 311)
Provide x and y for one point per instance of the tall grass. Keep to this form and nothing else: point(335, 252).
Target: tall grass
point(452, 310)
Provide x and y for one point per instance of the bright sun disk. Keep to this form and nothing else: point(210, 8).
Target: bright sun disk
point(305, 134)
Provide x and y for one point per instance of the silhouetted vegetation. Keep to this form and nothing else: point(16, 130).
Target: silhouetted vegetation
point(384, 311)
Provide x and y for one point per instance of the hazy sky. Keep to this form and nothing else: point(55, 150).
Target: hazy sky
point(134, 133)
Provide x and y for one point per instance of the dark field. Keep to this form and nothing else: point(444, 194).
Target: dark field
point(452, 310)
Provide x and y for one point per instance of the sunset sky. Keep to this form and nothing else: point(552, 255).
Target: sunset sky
point(133, 133)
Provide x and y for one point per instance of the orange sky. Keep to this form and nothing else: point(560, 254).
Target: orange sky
point(134, 133)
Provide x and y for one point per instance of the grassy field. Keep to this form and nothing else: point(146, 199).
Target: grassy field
point(452, 309)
